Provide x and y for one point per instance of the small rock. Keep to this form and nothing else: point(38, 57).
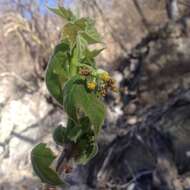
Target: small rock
point(130, 108)
point(133, 65)
point(127, 73)
point(153, 68)
point(132, 120)
point(118, 77)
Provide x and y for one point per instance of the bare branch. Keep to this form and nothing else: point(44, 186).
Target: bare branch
point(172, 9)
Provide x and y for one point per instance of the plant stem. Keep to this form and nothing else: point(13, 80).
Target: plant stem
point(73, 63)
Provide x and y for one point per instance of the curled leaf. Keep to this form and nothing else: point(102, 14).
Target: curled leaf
point(42, 157)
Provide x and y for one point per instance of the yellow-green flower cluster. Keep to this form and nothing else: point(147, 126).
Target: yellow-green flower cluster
point(91, 85)
point(105, 76)
point(107, 83)
point(98, 80)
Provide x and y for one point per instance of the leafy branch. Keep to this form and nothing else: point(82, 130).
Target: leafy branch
point(74, 80)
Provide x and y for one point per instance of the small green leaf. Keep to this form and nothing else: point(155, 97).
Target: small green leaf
point(89, 56)
point(59, 135)
point(42, 157)
point(73, 131)
point(90, 34)
point(95, 52)
point(85, 123)
point(86, 143)
point(81, 30)
point(88, 151)
point(81, 23)
point(70, 32)
point(64, 13)
point(57, 71)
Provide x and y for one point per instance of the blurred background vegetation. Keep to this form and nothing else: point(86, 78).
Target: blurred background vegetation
point(145, 40)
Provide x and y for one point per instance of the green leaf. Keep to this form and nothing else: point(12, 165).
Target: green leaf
point(64, 13)
point(85, 123)
point(91, 35)
point(70, 32)
point(73, 131)
point(42, 157)
point(74, 62)
point(68, 97)
point(81, 30)
point(86, 143)
point(81, 45)
point(91, 106)
point(59, 135)
point(57, 71)
point(89, 56)
point(95, 52)
point(88, 150)
point(77, 97)
point(81, 23)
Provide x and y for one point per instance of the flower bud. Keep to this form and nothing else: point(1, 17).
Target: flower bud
point(105, 76)
point(91, 85)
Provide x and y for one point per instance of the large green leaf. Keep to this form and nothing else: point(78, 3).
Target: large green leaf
point(91, 106)
point(57, 71)
point(77, 97)
point(42, 157)
point(68, 97)
point(64, 13)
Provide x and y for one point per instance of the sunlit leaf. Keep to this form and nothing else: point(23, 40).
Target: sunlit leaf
point(68, 97)
point(91, 35)
point(64, 13)
point(89, 56)
point(91, 106)
point(77, 97)
point(95, 52)
point(70, 32)
point(57, 71)
point(81, 45)
point(81, 23)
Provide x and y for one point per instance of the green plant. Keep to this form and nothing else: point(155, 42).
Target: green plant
point(78, 85)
